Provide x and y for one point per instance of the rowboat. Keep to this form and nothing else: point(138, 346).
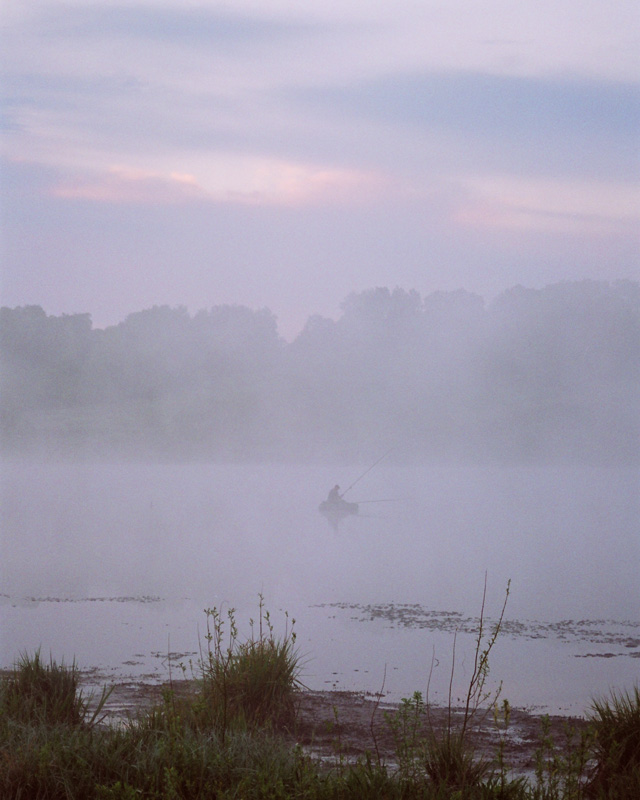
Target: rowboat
point(335, 512)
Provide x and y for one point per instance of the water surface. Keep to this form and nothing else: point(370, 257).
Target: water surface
point(114, 564)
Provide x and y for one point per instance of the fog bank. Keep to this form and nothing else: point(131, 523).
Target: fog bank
point(546, 376)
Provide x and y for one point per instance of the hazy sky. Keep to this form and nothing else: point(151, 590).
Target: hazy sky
point(283, 153)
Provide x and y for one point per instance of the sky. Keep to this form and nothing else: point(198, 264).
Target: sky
point(284, 154)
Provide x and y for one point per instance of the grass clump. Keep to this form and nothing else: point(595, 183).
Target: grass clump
point(174, 762)
point(615, 723)
point(250, 683)
point(450, 762)
point(49, 694)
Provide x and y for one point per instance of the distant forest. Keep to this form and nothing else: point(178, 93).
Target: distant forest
point(535, 375)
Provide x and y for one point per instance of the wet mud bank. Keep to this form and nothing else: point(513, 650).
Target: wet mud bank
point(342, 725)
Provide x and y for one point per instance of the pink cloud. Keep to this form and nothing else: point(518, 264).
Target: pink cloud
point(126, 185)
point(547, 206)
point(261, 183)
point(487, 215)
point(273, 183)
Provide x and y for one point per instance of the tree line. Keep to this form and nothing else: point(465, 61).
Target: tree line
point(548, 374)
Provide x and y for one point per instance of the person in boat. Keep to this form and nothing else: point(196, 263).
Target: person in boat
point(335, 508)
point(334, 496)
point(337, 502)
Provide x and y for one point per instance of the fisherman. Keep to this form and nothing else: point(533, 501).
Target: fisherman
point(335, 508)
point(334, 496)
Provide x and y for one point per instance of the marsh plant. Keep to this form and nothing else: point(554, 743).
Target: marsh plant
point(561, 767)
point(249, 682)
point(444, 754)
point(47, 693)
point(615, 722)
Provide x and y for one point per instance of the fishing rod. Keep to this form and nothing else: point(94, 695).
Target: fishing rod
point(367, 471)
point(387, 500)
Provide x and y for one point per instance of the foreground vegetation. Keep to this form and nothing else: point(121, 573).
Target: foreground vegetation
point(230, 736)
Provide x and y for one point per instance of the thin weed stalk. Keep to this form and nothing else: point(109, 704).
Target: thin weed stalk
point(445, 755)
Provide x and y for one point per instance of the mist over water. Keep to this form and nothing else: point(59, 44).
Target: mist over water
point(175, 462)
point(190, 536)
point(566, 536)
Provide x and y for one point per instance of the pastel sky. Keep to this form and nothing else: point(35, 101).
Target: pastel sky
point(284, 153)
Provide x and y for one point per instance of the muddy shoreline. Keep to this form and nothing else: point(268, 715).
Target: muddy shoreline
point(335, 725)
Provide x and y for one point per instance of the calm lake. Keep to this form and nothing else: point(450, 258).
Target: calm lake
point(114, 564)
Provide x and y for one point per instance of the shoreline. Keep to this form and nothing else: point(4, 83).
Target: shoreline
point(334, 725)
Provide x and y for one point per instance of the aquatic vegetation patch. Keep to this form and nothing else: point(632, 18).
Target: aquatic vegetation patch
point(620, 633)
point(145, 598)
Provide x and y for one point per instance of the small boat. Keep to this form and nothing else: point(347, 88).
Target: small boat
point(335, 508)
point(335, 512)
